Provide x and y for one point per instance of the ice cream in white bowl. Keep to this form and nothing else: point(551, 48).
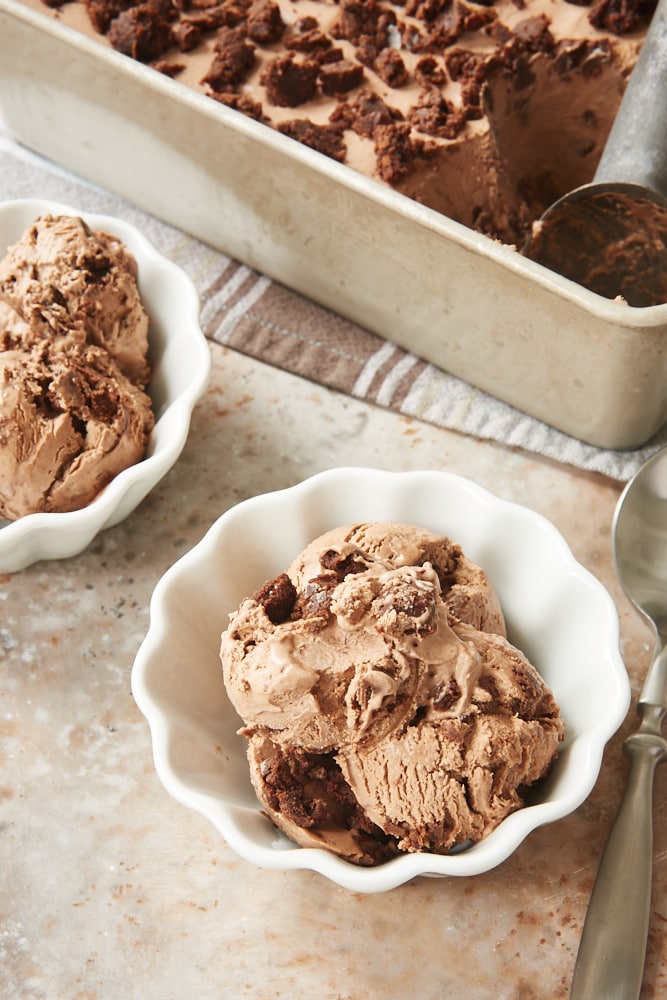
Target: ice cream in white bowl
point(178, 366)
point(556, 612)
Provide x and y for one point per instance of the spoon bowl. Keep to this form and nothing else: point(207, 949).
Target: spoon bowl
point(611, 235)
point(640, 550)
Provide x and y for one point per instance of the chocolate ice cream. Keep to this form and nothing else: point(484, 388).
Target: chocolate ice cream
point(69, 422)
point(385, 709)
point(73, 367)
point(486, 112)
point(66, 282)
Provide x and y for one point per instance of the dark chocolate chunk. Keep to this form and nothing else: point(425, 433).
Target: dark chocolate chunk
point(325, 139)
point(289, 82)
point(277, 597)
point(233, 60)
point(340, 77)
point(265, 24)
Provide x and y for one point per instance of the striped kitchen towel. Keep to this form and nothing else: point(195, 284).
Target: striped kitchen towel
point(250, 313)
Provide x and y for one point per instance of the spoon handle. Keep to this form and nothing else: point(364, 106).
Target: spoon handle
point(610, 962)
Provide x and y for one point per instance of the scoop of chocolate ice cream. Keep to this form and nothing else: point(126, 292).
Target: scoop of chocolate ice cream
point(69, 422)
point(447, 778)
point(385, 709)
point(67, 283)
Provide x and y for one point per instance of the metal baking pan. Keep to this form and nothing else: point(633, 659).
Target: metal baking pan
point(593, 368)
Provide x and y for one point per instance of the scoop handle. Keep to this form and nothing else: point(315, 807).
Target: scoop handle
point(636, 150)
point(612, 951)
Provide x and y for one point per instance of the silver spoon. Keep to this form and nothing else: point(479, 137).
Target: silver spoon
point(611, 235)
point(610, 962)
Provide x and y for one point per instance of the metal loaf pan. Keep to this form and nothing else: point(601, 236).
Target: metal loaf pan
point(593, 368)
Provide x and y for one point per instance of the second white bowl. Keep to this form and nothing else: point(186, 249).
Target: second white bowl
point(180, 360)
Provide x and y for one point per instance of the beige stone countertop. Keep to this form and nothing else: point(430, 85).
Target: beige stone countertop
point(111, 890)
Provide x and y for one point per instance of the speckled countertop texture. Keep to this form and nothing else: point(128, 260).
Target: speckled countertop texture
point(111, 890)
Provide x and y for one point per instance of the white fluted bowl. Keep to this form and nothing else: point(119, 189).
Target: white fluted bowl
point(556, 611)
point(180, 361)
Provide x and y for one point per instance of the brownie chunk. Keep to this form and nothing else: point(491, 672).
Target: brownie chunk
point(187, 35)
point(168, 68)
point(364, 113)
point(426, 10)
point(396, 151)
point(103, 12)
point(325, 139)
point(429, 71)
point(306, 36)
point(310, 790)
point(265, 24)
point(434, 115)
point(587, 56)
point(340, 77)
point(277, 597)
point(390, 67)
point(234, 58)
point(142, 32)
point(220, 15)
point(343, 566)
point(620, 17)
point(239, 102)
point(535, 34)
point(289, 82)
point(363, 22)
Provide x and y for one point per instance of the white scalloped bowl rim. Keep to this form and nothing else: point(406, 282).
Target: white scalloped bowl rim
point(557, 612)
point(181, 364)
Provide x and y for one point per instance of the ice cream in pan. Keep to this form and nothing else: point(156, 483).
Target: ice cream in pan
point(384, 707)
point(485, 111)
point(74, 411)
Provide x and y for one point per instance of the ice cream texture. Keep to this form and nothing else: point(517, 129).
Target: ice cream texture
point(384, 707)
point(485, 111)
point(66, 282)
point(74, 411)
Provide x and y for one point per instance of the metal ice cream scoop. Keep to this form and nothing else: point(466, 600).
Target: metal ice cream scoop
point(611, 235)
point(611, 955)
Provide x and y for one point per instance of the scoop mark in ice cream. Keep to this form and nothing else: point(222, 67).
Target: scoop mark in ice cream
point(384, 707)
point(73, 367)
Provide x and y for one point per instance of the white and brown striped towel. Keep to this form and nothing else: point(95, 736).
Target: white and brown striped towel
point(250, 313)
